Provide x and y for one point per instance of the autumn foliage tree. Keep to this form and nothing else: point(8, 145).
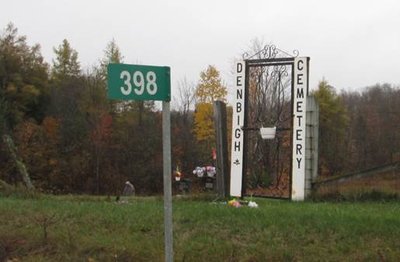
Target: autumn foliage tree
point(209, 89)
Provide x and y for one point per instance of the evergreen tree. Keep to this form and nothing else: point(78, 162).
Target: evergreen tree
point(23, 83)
point(66, 63)
point(112, 54)
point(333, 122)
point(99, 117)
point(23, 79)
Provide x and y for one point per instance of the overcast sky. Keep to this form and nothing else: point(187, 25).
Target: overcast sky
point(353, 44)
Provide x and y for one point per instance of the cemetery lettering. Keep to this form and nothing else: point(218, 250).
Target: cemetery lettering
point(299, 127)
point(237, 132)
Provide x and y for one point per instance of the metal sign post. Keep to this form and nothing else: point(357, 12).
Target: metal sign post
point(139, 82)
point(166, 130)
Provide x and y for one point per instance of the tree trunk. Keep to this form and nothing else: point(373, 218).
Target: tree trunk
point(12, 150)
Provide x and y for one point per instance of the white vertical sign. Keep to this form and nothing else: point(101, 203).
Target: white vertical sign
point(299, 127)
point(237, 132)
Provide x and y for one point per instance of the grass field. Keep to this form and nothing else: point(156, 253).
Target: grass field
point(72, 228)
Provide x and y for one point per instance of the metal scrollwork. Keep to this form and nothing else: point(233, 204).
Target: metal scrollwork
point(270, 52)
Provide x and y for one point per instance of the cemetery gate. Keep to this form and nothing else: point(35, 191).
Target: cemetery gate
point(274, 147)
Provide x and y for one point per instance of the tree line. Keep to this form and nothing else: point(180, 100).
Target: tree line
point(59, 130)
point(358, 129)
point(62, 130)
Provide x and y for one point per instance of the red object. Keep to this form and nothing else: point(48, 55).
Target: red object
point(214, 154)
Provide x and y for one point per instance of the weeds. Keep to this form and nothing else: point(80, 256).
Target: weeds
point(335, 195)
point(45, 221)
point(20, 191)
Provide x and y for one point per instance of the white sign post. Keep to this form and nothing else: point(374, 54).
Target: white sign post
point(299, 128)
point(237, 132)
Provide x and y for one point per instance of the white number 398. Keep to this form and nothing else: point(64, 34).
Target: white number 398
point(139, 82)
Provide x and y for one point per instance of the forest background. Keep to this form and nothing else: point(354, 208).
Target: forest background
point(57, 125)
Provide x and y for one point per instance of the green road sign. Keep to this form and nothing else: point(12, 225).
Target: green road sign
point(139, 82)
